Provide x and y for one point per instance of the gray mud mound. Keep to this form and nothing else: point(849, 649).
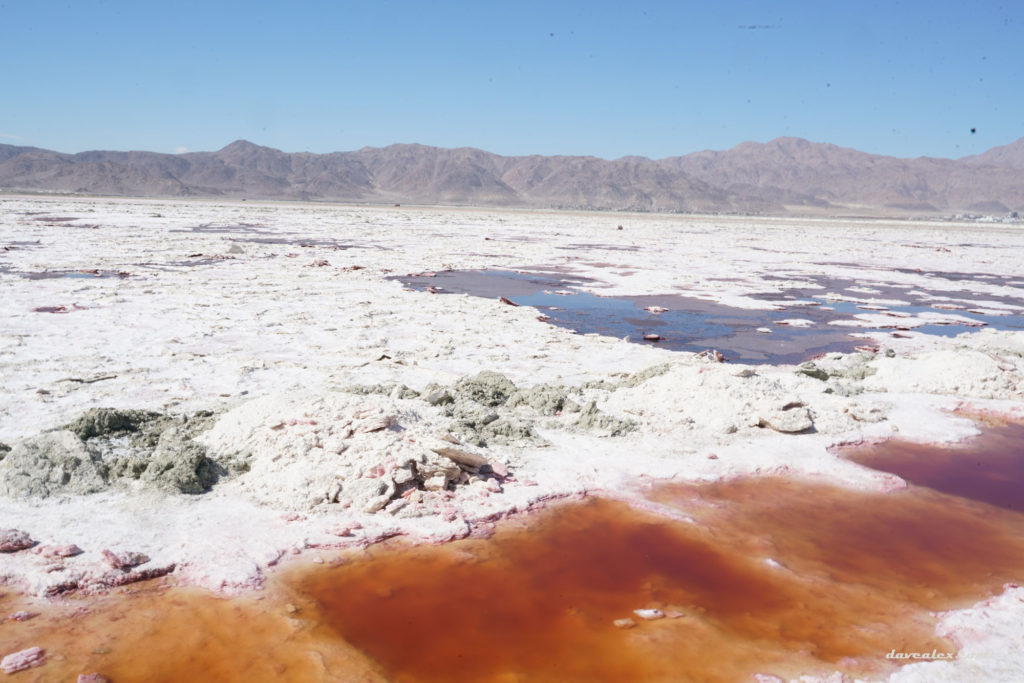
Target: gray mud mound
point(105, 448)
point(389, 389)
point(546, 399)
point(479, 425)
point(105, 421)
point(842, 373)
point(488, 409)
point(593, 420)
point(180, 465)
point(487, 388)
point(51, 464)
point(481, 417)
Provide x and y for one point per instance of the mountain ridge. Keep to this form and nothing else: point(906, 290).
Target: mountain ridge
point(783, 175)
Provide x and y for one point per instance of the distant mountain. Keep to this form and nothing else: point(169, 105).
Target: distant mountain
point(782, 176)
point(1011, 156)
point(796, 172)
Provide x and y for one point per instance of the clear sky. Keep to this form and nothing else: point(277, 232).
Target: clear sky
point(609, 79)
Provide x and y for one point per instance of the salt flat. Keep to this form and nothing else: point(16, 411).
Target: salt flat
point(272, 316)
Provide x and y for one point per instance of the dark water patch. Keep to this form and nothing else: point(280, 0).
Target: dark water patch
point(483, 255)
point(66, 221)
point(511, 238)
point(599, 247)
point(52, 309)
point(492, 283)
point(946, 328)
point(965, 318)
point(978, 245)
point(241, 228)
point(296, 242)
point(775, 251)
point(605, 264)
point(75, 274)
point(16, 245)
point(192, 261)
point(988, 468)
point(689, 324)
point(966, 277)
point(56, 219)
point(203, 260)
point(854, 294)
point(257, 233)
point(747, 345)
point(954, 276)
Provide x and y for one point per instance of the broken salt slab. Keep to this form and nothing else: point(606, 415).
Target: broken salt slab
point(21, 660)
point(903, 320)
point(13, 540)
point(989, 311)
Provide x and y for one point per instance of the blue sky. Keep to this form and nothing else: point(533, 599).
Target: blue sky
point(653, 79)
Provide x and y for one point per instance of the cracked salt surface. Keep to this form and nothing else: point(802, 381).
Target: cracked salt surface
point(274, 323)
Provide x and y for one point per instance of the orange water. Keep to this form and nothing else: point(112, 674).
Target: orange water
point(540, 605)
point(853, 575)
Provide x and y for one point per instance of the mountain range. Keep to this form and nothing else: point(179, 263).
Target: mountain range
point(783, 176)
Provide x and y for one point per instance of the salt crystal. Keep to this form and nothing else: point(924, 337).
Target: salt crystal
point(649, 614)
point(21, 660)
